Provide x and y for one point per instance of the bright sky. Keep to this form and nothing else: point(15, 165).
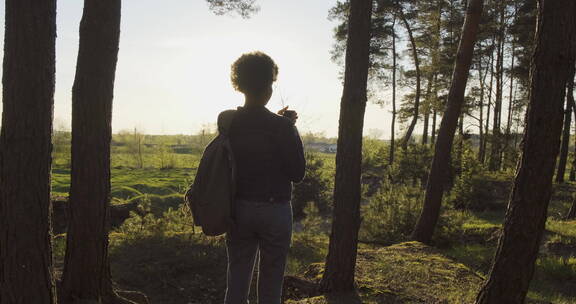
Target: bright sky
point(175, 56)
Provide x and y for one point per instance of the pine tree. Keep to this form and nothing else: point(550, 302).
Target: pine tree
point(25, 153)
point(441, 161)
point(517, 251)
point(341, 259)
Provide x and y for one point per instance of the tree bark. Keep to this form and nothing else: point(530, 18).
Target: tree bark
point(86, 274)
point(517, 251)
point(412, 125)
point(25, 152)
point(341, 259)
point(442, 150)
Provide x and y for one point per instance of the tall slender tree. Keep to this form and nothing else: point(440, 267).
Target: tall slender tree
point(416, 58)
point(570, 97)
point(86, 274)
point(25, 148)
point(563, 159)
point(86, 268)
point(394, 69)
point(517, 251)
point(495, 161)
point(341, 259)
point(441, 161)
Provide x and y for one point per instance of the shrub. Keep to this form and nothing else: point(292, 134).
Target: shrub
point(411, 166)
point(469, 189)
point(316, 187)
point(390, 215)
point(315, 223)
point(374, 163)
point(145, 224)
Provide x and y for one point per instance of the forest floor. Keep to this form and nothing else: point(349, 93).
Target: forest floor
point(162, 256)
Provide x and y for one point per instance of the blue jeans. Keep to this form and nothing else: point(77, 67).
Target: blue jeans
point(262, 227)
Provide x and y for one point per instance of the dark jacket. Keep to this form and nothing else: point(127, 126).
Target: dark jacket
point(268, 153)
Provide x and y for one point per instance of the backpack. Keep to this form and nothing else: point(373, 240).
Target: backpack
point(211, 195)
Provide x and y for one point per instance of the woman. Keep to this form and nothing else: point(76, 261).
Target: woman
point(269, 158)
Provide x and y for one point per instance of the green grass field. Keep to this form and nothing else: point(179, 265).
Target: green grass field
point(164, 256)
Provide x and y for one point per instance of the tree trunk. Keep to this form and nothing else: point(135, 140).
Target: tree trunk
point(25, 153)
point(434, 111)
point(427, 109)
point(482, 79)
point(509, 153)
point(495, 162)
point(488, 108)
point(415, 114)
point(86, 274)
point(393, 124)
point(341, 259)
point(441, 161)
point(433, 135)
point(570, 104)
point(570, 99)
point(517, 251)
point(563, 159)
point(572, 212)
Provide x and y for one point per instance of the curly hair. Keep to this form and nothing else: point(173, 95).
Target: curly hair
point(253, 72)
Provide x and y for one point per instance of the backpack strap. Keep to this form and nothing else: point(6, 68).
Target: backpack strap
point(225, 121)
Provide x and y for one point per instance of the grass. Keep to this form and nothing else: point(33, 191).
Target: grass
point(160, 255)
point(407, 273)
point(128, 182)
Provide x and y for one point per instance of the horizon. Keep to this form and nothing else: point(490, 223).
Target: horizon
point(173, 73)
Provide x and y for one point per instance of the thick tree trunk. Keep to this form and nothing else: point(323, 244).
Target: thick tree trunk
point(517, 251)
point(410, 130)
point(393, 124)
point(86, 274)
point(25, 148)
point(441, 161)
point(341, 259)
point(563, 159)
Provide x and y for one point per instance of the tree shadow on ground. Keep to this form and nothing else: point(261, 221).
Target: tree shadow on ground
point(343, 298)
point(171, 269)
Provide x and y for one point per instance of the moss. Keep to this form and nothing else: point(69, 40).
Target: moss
point(409, 272)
